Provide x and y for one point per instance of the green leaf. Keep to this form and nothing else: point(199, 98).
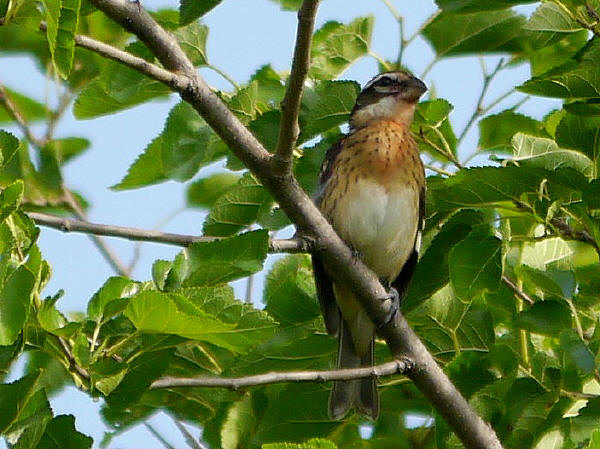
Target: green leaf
point(551, 17)
point(250, 325)
point(540, 279)
point(185, 144)
point(545, 318)
point(23, 405)
point(534, 151)
point(29, 109)
point(314, 443)
point(558, 53)
point(238, 208)
point(578, 78)
point(336, 46)
point(290, 290)
point(289, 5)
point(156, 312)
point(496, 131)
point(62, 18)
point(190, 10)
point(266, 128)
point(10, 198)
point(15, 298)
point(308, 167)
point(192, 39)
point(489, 31)
point(205, 264)
point(478, 5)
point(432, 122)
point(432, 272)
point(582, 134)
point(147, 168)
point(61, 434)
point(594, 440)
point(489, 186)
point(239, 424)
point(118, 87)
point(68, 148)
point(586, 421)
point(476, 263)
point(326, 106)
point(9, 146)
point(114, 288)
point(577, 353)
point(205, 192)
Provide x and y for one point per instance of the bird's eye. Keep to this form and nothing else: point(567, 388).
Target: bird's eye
point(385, 82)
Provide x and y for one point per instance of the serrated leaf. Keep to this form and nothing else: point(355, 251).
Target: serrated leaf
point(551, 17)
point(22, 403)
point(146, 170)
point(205, 264)
point(477, 5)
point(582, 134)
point(432, 122)
point(326, 106)
point(335, 46)
point(489, 31)
point(68, 148)
point(488, 186)
point(185, 144)
point(238, 208)
point(578, 78)
point(558, 53)
point(476, 264)
point(290, 290)
point(540, 279)
point(541, 152)
point(62, 18)
point(190, 10)
point(314, 443)
point(156, 312)
point(576, 352)
point(250, 325)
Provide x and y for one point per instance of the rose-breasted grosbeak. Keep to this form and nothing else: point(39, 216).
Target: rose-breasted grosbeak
point(372, 190)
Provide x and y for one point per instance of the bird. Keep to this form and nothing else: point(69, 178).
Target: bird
point(372, 191)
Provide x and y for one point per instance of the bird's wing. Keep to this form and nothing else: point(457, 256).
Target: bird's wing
point(323, 282)
point(403, 279)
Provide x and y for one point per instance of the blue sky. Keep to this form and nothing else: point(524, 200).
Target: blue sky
point(244, 35)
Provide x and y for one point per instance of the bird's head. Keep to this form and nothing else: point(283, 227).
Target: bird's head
point(388, 96)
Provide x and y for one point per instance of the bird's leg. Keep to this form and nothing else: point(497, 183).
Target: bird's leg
point(392, 300)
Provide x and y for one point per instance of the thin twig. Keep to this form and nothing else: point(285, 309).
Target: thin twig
point(487, 79)
point(73, 366)
point(107, 252)
point(517, 291)
point(401, 366)
point(189, 438)
point(158, 436)
point(290, 106)
point(14, 112)
point(292, 245)
point(438, 170)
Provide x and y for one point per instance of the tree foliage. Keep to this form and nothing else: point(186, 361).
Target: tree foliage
point(505, 295)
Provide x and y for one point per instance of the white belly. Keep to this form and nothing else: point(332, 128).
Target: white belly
point(381, 225)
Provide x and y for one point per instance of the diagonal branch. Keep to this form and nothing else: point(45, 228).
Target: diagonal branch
point(400, 366)
point(290, 106)
point(293, 245)
point(344, 266)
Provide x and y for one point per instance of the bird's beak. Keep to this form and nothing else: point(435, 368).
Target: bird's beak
point(415, 89)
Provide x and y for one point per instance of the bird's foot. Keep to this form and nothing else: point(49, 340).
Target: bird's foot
point(392, 303)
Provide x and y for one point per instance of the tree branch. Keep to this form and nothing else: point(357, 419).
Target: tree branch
point(293, 245)
point(344, 266)
point(290, 106)
point(400, 366)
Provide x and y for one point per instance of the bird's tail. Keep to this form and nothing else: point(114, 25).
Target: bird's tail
point(360, 393)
